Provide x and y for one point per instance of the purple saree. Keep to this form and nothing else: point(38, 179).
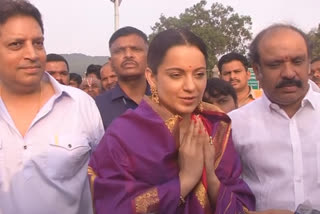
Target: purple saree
point(134, 169)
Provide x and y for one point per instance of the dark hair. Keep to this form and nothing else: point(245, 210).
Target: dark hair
point(215, 87)
point(254, 46)
point(94, 69)
point(125, 31)
point(52, 57)
point(10, 8)
point(75, 77)
point(315, 59)
point(231, 57)
point(164, 40)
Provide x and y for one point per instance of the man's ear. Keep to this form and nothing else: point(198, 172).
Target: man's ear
point(309, 70)
point(248, 74)
point(111, 64)
point(257, 71)
point(150, 77)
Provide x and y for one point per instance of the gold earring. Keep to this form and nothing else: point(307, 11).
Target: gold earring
point(154, 95)
point(200, 106)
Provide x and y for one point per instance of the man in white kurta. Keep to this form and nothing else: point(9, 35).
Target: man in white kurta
point(45, 171)
point(277, 136)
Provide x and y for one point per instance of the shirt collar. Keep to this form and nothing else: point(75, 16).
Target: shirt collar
point(251, 93)
point(58, 88)
point(314, 86)
point(117, 92)
point(308, 98)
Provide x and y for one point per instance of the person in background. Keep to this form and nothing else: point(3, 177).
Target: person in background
point(91, 86)
point(93, 71)
point(75, 80)
point(128, 48)
point(233, 68)
point(278, 135)
point(58, 67)
point(109, 78)
point(47, 130)
point(315, 71)
point(221, 94)
point(172, 154)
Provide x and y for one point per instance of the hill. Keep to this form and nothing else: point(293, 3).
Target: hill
point(78, 63)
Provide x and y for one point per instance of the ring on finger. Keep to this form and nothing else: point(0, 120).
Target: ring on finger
point(210, 140)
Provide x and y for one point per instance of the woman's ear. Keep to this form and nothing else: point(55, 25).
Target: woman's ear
point(150, 77)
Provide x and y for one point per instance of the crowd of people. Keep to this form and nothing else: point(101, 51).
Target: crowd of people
point(148, 132)
point(97, 78)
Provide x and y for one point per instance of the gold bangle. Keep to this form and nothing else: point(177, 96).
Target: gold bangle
point(182, 201)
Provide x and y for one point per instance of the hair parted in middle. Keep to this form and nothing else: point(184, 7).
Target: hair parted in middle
point(167, 39)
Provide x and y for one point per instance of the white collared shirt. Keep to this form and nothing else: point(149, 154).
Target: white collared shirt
point(314, 86)
point(280, 155)
point(45, 172)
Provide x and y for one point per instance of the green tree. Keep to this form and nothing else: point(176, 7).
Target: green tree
point(314, 36)
point(222, 29)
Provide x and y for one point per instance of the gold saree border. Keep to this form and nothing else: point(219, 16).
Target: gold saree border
point(211, 107)
point(147, 201)
point(201, 194)
point(228, 204)
point(222, 135)
point(171, 122)
point(245, 210)
point(92, 178)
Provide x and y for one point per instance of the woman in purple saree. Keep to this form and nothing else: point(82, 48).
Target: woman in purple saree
point(171, 154)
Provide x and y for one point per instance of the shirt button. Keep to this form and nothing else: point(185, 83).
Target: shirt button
point(25, 147)
point(70, 146)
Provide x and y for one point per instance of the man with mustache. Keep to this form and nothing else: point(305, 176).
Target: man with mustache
point(315, 71)
point(58, 67)
point(109, 78)
point(47, 130)
point(277, 136)
point(233, 68)
point(128, 48)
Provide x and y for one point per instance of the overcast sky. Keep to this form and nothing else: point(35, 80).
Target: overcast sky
point(85, 26)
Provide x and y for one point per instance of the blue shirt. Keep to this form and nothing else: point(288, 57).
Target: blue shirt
point(115, 102)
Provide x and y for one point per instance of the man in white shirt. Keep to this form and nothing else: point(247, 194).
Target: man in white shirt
point(47, 130)
point(277, 136)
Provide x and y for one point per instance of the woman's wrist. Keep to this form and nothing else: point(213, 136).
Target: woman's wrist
point(185, 185)
point(213, 180)
point(213, 187)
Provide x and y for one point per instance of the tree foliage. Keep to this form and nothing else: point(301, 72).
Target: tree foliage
point(314, 36)
point(222, 29)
